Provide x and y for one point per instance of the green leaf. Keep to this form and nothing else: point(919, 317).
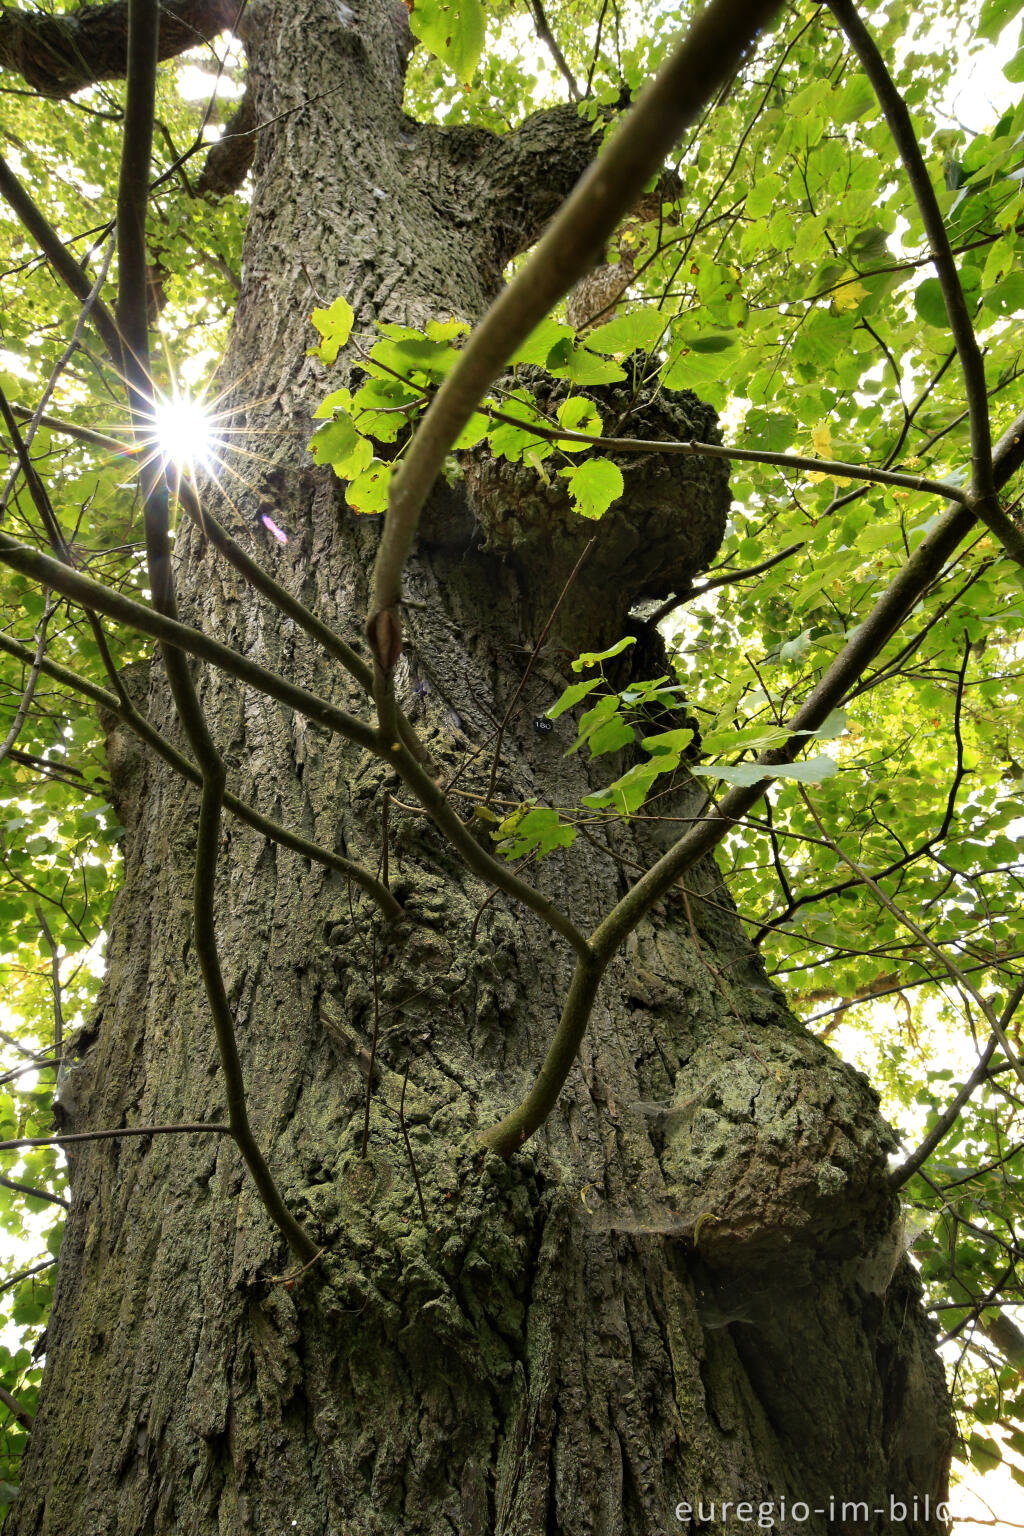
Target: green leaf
point(333, 442)
point(383, 408)
point(337, 400)
point(473, 432)
point(335, 326)
point(533, 833)
point(673, 742)
point(854, 100)
point(764, 195)
point(581, 366)
point(368, 492)
point(572, 696)
point(578, 414)
point(629, 792)
point(772, 431)
point(454, 31)
point(538, 345)
point(595, 658)
point(512, 442)
point(594, 486)
point(610, 736)
point(712, 341)
point(347, 453)
point(929, 303)
point(1007, 297)
point(416, 357)
point(995, 14)
point(637, 331)
point(815, 771)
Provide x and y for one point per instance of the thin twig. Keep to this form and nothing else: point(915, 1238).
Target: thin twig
point(35, 666)
point(408, 1148)
point(550, 42)
point(900, 1176)
point(60, 258)
point(894, 108)
point(217, 1128)
point(956, 975)
point(34, 1193)
point(373, 1047)
point(137, 722)
point(26, 1274)
point(726, 579)
point(24, 1418)
point(37, 417)
point(58, 1010)
point(506, 717)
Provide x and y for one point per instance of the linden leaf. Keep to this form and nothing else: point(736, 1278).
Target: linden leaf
point(578, 414)
point(815, 771)
point(454, 31)
point(821, 437)
point(335, 326)
point(594, 486)
point(848, 296)
point(368, 492)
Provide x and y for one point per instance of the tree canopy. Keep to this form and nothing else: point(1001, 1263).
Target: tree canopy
point(831, 259)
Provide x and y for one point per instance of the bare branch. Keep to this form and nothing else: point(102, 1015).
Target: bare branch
point(60, 258)
point(34, 667)
point(33, 1193)
point(132, 202)
point(951, 1113)
point(897, 116)
point(24, 1418)
point(58, 55)
point(215, 1128)
point(126, 712)
point(229, 159)
point(550, 42)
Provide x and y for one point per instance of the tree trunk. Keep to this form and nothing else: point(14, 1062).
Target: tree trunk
point(690, 1286)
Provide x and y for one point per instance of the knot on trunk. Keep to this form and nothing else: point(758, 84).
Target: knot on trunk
point(774, 1148)
point(664, 528)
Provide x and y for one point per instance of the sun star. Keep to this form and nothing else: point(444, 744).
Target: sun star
point(183, 432)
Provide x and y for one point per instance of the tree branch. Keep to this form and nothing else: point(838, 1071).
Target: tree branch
point(229, 159)
point(10, 1402)
point(33, 1193)
point(132, 202)
point(548, 38)
point(215, 1128)
point(951, 1113)
point(972, 365)
point(88, 593)
point(59, 55)
point(693, 449)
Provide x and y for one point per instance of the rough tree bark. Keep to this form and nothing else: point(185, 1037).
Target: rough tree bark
point(690, 1286)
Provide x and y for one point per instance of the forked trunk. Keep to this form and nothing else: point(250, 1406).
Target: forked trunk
point(689, 1287)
